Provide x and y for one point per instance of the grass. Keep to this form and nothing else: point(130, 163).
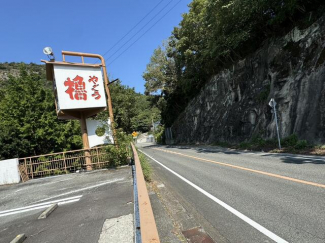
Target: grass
point(146, 169)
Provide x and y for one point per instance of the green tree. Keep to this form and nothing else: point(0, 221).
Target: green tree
point(28, 124)
point(160, 74)
point(132, 110)
point(212, 36)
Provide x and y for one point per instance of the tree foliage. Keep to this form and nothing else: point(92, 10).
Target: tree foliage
point(213, 35)
point(161, 72)
point(28, 124)
point(132, 111)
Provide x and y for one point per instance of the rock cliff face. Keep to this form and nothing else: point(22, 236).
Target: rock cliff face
point(233, 105)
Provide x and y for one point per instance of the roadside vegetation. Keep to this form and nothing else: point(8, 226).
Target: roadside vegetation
point(29, 125)
point(132, 111)
point(146, 169)
point(290, 144)
point(119, 155)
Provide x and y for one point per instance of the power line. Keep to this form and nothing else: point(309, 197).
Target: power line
point(145, 32)
point(140, 29)
point(132, 28)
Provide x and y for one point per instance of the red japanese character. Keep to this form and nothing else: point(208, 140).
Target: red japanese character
point(80, 88)
point(70, 90)
point(96, 92)
point(93, 79)
point(76, 88)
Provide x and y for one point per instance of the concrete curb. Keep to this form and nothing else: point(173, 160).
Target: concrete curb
point(148, 228)
point(19, 238)
point(48, 211)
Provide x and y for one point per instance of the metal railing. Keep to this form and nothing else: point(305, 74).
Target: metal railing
point(63, 162)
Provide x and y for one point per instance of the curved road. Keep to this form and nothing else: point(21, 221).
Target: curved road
point(247, 197)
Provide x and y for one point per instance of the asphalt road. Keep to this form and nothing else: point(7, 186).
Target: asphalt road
point(247, 197)
point(86, 202)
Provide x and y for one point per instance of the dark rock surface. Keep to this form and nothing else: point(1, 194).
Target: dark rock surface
point(233, 105)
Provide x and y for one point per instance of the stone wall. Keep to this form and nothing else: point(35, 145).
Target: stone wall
point(233, 105)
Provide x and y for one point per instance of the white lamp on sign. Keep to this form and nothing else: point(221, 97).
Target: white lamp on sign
point(48, 51)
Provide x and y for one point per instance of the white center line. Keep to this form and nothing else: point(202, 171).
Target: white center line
point(251, 222)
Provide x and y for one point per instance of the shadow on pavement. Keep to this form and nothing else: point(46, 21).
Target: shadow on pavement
point(285, 158)
point(297, 159)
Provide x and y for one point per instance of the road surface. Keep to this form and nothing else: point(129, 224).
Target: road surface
point(247, 197)
point(90, 205)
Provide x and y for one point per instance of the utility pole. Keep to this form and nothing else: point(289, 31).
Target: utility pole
point(153, 125)
point(272, 103)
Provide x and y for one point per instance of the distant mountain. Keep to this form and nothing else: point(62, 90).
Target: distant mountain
point(12, 68)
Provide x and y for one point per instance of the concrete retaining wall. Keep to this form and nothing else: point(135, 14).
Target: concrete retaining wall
point(9, 173)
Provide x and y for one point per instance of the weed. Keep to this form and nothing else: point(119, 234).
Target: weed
point(290, 141)
point(146, 169)
point(301, 144)
point(244, 145)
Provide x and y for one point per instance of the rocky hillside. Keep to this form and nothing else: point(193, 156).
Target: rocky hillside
point(233, 105)
point(7, 69)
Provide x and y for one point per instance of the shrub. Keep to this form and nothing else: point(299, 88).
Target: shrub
point(290, 141)
point(301, 144)
point(118, 155)
point(160, 135)
point(258, 141)
point(244, 145)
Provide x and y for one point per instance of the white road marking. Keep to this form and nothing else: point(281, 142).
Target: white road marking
point(82, 189)
point(39, 206)
point(251, 222)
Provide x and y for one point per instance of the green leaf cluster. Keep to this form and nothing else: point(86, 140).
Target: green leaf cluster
point(118, 155)
point(213, 35)
point(132, 111)
point(28, 124)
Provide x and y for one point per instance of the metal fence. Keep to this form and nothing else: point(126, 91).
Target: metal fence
point(62, 163)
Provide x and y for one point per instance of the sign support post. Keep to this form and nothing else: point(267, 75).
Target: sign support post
point(85, 140)
point(103, 64)
point(70, 84)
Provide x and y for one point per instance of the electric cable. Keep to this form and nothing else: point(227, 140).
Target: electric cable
point(140, 30)
point(144, 33)
point(133, 28)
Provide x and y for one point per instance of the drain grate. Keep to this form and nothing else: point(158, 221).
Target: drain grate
point(197, 235)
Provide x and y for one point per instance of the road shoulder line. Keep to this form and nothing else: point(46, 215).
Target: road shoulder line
point(248, 169)
point(251, 222)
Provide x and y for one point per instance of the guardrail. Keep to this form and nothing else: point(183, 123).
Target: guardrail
point(62, 163)
point(145, 224)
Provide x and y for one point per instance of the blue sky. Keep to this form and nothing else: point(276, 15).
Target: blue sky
point(92, 26)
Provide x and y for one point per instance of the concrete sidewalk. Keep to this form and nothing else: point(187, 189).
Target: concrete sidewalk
point(93, 207)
